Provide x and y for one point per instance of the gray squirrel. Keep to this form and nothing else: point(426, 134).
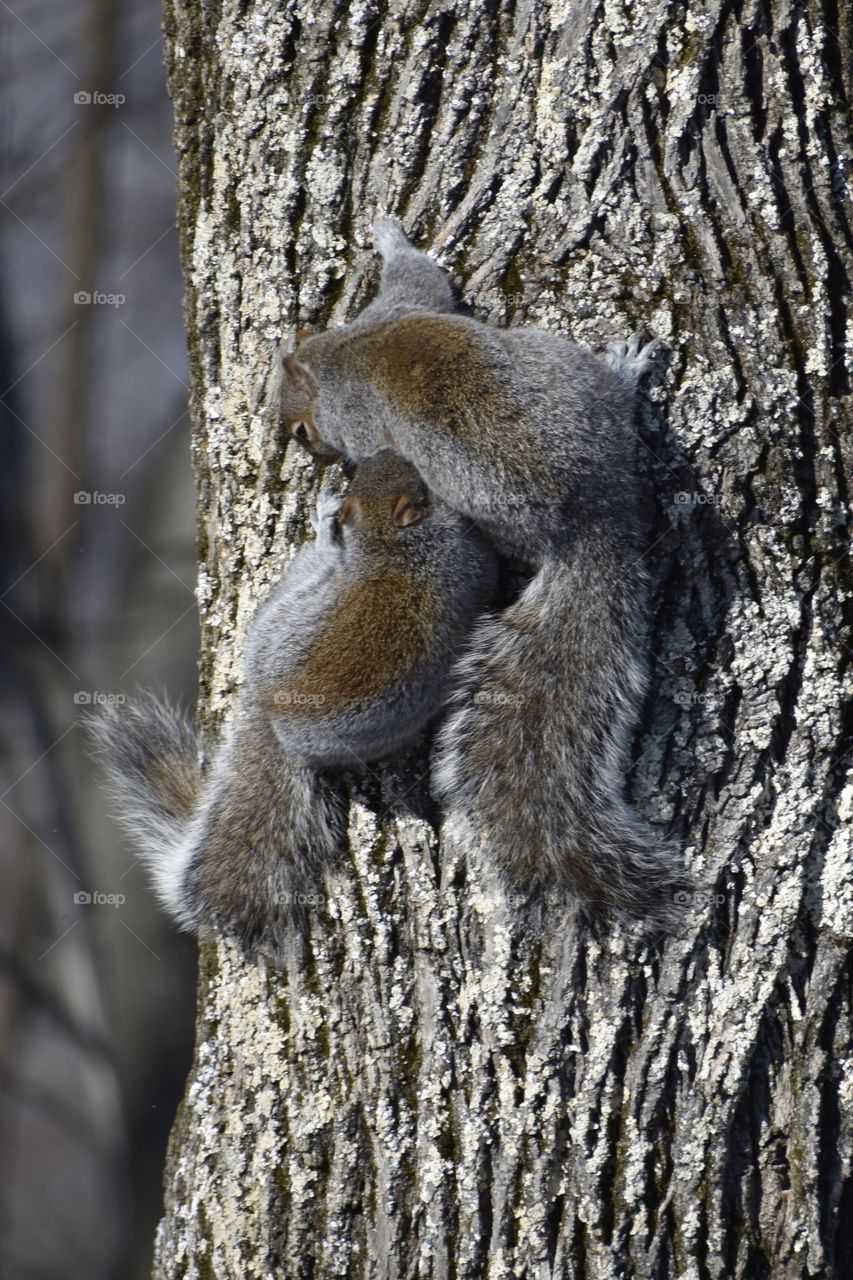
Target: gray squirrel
point(533, 438)
point(346, 661)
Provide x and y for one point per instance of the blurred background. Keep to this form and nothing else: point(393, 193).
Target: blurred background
point(97, 566)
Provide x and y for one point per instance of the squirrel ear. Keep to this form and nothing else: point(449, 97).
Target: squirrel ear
point(302, 379)
point(302, 335)
point(407, 511)
point(350, 512)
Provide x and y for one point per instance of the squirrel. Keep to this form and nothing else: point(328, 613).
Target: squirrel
point(346, 661)
point(532, 437)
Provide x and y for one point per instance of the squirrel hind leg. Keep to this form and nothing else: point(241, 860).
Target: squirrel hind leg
point(531, 756)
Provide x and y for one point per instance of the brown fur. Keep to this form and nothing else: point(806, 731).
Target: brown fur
point(432, 368)
point(235, 862)
point(381, 629)
point(178, 782)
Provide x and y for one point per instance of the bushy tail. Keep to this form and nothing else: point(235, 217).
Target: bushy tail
point(241, 852)
point(533, 756)
point(149, 754)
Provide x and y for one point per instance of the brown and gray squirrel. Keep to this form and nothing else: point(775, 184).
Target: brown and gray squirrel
point(533, 438)
point(346, 661)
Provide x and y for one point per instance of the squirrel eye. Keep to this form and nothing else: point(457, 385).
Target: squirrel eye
point(300, 432)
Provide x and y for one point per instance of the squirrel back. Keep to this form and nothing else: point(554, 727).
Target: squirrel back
point(540, 430)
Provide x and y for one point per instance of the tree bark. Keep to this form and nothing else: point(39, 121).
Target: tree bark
point(436, 1088)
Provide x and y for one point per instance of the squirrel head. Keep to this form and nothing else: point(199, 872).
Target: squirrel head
point(386, 495)
point(298, 398)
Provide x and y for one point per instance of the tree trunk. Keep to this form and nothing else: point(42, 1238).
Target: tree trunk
point(436, 1088)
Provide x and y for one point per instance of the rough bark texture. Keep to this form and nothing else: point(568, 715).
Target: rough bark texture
point(436, 1089)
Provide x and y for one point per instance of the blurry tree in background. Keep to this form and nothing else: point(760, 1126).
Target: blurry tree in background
point(97, 565)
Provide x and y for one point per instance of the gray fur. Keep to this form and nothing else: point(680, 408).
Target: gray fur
point(538, 447)
point(409, 279)
point(444, 559)
point(243, 849)
point(149, 756)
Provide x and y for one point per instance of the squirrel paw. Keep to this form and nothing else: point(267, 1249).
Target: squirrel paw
point(630, 358)
point(324, 516)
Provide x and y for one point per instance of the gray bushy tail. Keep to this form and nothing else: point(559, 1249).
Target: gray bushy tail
point(242, 849)
point(533, 756)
